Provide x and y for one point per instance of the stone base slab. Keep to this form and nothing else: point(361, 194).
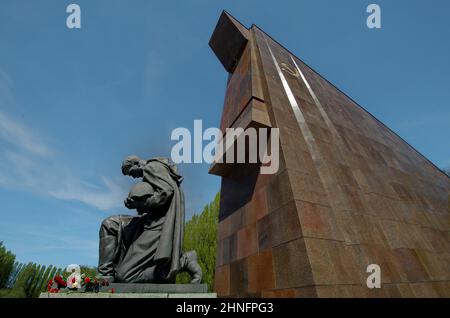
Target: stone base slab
point(127, 295)
point(123, 290)
point(159, 288)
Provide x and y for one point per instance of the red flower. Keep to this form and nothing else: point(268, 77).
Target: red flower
point(73, 280)
point(60, 281)
point(87, 280)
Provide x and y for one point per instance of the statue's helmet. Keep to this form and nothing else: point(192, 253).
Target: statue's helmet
point(140, 191)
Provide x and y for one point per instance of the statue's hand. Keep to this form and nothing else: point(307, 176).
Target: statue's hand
point(134, 204)
point(139, 205)
point(129, 203)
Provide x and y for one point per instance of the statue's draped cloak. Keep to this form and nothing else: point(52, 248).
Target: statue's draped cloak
point(155, 240)
point(166, 182)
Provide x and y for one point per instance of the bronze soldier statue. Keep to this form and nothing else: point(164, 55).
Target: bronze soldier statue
point(147, 248)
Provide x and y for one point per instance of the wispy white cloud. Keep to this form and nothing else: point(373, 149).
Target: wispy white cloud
point(105, 197)
point(28, 163)
point(18, 136)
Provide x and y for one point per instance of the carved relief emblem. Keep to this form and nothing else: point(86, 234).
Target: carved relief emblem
point(294, 72)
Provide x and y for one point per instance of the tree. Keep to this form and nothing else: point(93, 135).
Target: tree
point(89, 270)
point(7, 260)
point(200, 234)
point(14, 273)
point(32, 279)
point(18, 280)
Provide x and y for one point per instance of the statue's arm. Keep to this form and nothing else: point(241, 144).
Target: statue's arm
point(160, 198)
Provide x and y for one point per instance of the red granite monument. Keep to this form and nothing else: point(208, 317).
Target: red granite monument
point(349, 192)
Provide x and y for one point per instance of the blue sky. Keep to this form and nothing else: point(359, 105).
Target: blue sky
point(74, 103)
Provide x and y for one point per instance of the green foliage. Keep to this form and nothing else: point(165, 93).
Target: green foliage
point(7, 260)
point(46, 276)
point(200, 234)
point(25, 279)
point(33, 278)
point(89, 270)
point(20, 280)
point(12, 293)
point(17, 268)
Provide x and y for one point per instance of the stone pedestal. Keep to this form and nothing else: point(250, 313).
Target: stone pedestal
point(141, 291)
